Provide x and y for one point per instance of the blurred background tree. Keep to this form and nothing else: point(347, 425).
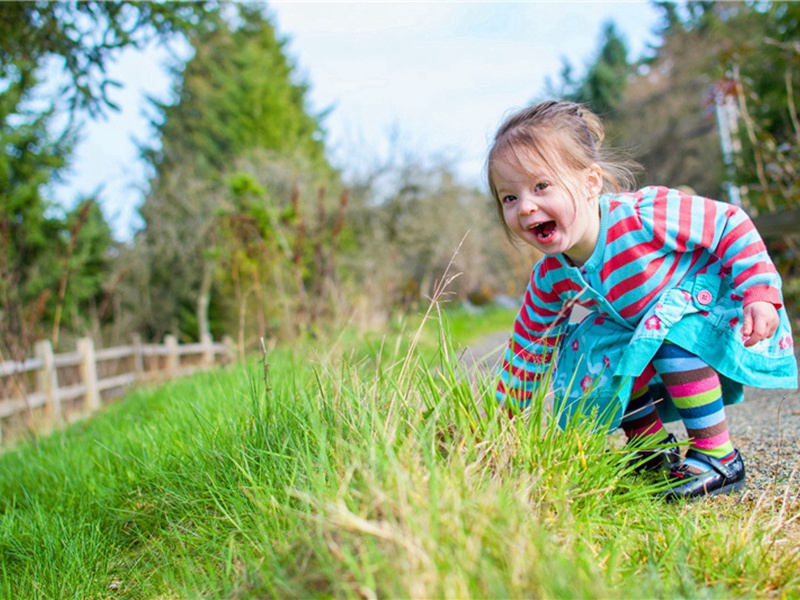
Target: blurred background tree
point(40, 244)
point(237, 99)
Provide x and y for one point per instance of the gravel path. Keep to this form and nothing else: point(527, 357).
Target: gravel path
point(765, 427)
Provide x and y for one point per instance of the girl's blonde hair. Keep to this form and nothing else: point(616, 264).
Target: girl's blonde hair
point(564, 135)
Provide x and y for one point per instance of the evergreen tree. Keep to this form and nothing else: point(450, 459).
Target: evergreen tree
point(40, 249)
point(28, 158)
point(238, 97)
point(603, 86)
point(237, 93)
point(606, 81)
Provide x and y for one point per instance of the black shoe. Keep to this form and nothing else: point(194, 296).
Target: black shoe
point(656, 460)
point(722, 478)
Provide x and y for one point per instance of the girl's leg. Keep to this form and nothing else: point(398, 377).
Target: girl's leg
point(643, 427)
point(696, 393)
point(641, 422)
point(712, 465)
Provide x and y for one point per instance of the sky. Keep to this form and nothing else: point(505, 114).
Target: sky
point(437, 76)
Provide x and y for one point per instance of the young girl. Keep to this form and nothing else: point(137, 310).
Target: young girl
point(684, 302)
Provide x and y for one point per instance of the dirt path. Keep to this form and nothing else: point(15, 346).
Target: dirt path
point(765, 427)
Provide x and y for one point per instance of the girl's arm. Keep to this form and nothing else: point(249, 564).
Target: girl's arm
point(530, 349)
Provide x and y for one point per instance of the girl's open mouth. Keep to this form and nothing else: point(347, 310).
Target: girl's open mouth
point(544, 231)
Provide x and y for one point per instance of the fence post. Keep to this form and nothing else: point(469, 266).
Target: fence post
point(138, 356)
point(230, 349)
point(47, 379)
point(173, 358)
point(208, 350)
point(88, 370)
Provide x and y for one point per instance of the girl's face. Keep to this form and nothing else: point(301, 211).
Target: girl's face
point(555, 213)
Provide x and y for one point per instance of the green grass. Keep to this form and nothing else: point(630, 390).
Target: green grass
point(361, 471)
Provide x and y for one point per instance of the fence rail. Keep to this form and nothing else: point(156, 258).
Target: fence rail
point(48, 390)
point(772, 225)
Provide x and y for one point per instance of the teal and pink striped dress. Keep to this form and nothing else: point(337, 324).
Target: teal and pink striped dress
point(667, 267)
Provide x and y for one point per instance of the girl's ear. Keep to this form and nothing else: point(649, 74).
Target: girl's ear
point(594, 180)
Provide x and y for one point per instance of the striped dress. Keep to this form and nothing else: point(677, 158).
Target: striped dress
point(667, 267)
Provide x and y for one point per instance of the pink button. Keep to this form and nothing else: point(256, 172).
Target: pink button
point(704, 297)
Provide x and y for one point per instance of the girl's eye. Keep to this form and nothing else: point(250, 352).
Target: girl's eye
point(508, 199)
point(542, 186)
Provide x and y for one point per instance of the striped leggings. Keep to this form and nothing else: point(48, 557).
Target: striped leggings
point(695, 391)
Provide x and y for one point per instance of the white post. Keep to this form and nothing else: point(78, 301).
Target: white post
point(208, 350)
point(138, 356)
point(230, 346)
point(173, 358)
point(47, 379)
point(727, 115)
point(88, 369)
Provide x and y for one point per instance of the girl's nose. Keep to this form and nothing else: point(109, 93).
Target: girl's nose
point(528, 205)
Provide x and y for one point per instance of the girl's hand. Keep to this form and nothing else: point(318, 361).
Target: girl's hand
point(760, 322)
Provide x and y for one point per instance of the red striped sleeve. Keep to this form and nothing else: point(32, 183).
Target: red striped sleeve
point(754, 249)
point(525, 329)
point(520, 373)
point(763, 293)
point(733, 236)
point(758, 268)
point(660, 204)
point(542, 296)
point(539, 311)
point(564, 286)
point(538, 358)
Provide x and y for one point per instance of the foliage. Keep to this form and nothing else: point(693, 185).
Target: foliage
point(237, 101)
point(85, 36)
point(763, 70)
point(410, 219)
point(277, 260)
point(42, 249)
point(27, 266)
point(662, 109)
point(743, 57)
point(167, 262)
point(86, 252)
point(346, 472)
point(238, 92)
point(603, 86)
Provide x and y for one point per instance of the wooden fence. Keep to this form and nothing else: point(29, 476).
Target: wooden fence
point(778, 224)
point(50, 389)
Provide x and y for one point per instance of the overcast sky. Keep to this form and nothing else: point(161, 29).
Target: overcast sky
point(441, 74)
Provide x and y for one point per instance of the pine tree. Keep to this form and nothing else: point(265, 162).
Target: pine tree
point(40, 249)
point(28, 159)
point(603, 86)
point(238, 97)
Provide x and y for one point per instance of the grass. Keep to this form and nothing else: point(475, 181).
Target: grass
point(361, 471)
